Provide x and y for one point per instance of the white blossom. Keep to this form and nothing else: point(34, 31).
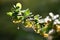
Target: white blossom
point(31, 19)
point(57, 21)
point(32, 15)
point(51, 31)
point(41, 21)
point(55, 17)
point(47, 19)
point(30, 12)
point(40, 17)
point(51, 14)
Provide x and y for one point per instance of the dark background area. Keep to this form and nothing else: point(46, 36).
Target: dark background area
point(8, 30)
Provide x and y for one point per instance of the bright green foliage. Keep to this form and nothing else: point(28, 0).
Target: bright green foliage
point(41, 26)
point(36, 17)
point(26, 13)
point(9, 13)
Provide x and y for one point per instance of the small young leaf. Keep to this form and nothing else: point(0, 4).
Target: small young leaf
point(19, 5)
point(10, 13)
point(27, 13)
point(20, 17)
point(36, 17)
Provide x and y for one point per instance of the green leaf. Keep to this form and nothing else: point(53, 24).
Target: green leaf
point(43, 29)
point(27, 13)
point(9, 13)
point(17, 10)
point(20, 17)
point(36, 17)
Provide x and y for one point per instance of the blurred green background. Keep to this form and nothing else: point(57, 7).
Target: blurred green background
point(8, 30)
